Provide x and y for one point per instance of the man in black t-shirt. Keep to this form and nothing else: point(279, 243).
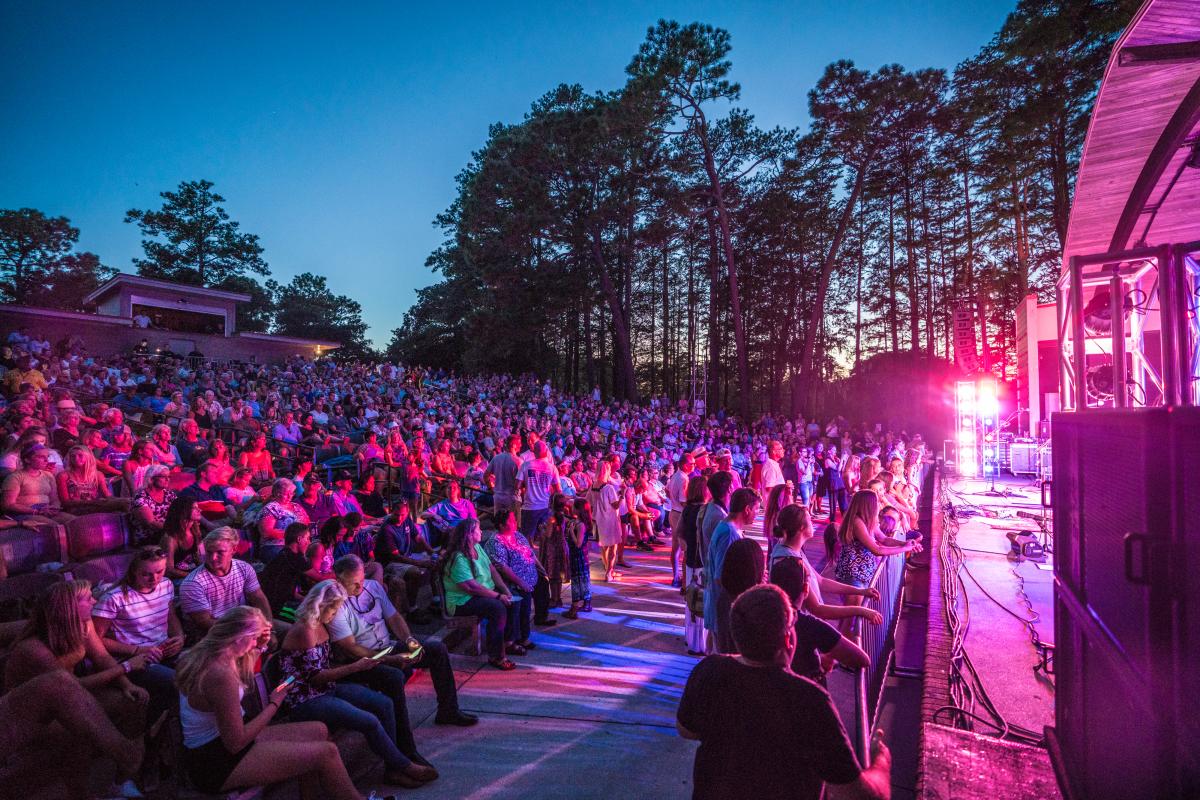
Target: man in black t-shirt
point(814, 637)
point(282, 580)
point(764, 731)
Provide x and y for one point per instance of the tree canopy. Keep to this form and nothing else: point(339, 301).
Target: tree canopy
point(653, 239)
point(39, 265)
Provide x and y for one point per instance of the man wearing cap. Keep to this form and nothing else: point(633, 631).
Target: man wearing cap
point(725, 464)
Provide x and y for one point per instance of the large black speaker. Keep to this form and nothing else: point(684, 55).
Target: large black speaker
point(1126, 538)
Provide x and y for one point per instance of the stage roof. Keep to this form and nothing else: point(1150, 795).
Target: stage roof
point(1133, 187)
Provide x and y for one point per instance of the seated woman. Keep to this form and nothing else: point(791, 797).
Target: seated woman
point(30, 494)
point(150, 505)
point(93, 440)
point(469, 585)
point(81, 487)
point(192, 448)
point(181, 535)
point(140, 460)
point(11, 460)
point(135, 617)
point(445, 514)
point(513, 557)
point(161, 449)
point(218, 453)
point(370, 497)
point(321, 694)
point(51, 728)
point(279, 512)
point(257, 459)
point(59, 636)
point(221, 750)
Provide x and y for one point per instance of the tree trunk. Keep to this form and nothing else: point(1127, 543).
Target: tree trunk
point(910, 247)
point(807, 364)
point(735, 302)
point(714, 314)
point(893, 316)
point(624, 383)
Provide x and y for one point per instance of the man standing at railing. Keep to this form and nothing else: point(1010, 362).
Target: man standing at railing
point(765, 732)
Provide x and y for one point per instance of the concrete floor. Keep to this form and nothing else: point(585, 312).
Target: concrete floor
point(590, 713)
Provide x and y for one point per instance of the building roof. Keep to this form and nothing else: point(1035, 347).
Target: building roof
point(125, 279)
point(1134, 187)
point(290, 339)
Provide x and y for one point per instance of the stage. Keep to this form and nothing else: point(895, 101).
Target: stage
point(1002, 607)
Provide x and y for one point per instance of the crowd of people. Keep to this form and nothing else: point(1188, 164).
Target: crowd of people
point(292, 520)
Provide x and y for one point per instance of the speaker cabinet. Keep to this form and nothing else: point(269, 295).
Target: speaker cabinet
point(1126, 530)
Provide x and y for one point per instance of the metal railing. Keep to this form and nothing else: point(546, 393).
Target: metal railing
point(878, 641)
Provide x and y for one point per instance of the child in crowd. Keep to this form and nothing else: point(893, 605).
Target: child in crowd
point(579, 533)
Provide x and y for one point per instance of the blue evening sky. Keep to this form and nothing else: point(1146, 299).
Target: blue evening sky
point(335, 130)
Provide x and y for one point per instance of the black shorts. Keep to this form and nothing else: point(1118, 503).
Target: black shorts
point(210, 765)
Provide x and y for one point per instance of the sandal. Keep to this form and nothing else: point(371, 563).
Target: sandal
point(516, 649)
point(528, 645)
point(571, 613)
point(502, 664)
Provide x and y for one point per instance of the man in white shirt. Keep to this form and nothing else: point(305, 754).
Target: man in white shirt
point(220, 583)
point(538, 479)
point(367, 623)
point(772, 472)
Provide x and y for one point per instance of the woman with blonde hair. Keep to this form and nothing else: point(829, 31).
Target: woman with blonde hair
point(81, 487)
point(868, 470)
point(59, 637)
point(862, 544)
point(221, 750)
point(321, 694)
point(161, 449)
point(606, 499)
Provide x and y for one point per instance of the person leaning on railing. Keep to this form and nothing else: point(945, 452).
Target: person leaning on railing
point(765, 732)
point(818, 644)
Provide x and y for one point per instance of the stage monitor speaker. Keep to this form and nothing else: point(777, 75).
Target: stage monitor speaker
point(1126, 536)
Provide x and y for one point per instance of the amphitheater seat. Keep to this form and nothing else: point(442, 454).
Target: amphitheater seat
point(94, 535)
point(22, 550)
point(98, 547)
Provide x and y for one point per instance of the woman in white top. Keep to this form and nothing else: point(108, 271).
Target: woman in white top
point(605, 501)
point(222, 751)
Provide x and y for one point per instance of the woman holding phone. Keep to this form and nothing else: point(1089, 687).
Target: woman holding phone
point(221, 750)
point(318, 691)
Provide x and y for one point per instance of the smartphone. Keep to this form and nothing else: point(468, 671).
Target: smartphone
point(413, 655)
point(382, 653)
point(286, 683)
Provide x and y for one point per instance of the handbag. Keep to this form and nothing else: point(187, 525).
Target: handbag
point(693, 590)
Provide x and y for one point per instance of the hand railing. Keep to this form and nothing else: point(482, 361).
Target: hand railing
point(878, 641)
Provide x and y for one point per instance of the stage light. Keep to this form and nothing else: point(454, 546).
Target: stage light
point(967, 402)
point(989, 404)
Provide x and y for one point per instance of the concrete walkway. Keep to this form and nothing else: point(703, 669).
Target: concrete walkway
point(590, 713)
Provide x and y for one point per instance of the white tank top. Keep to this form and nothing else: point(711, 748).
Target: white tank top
point(199, 727)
